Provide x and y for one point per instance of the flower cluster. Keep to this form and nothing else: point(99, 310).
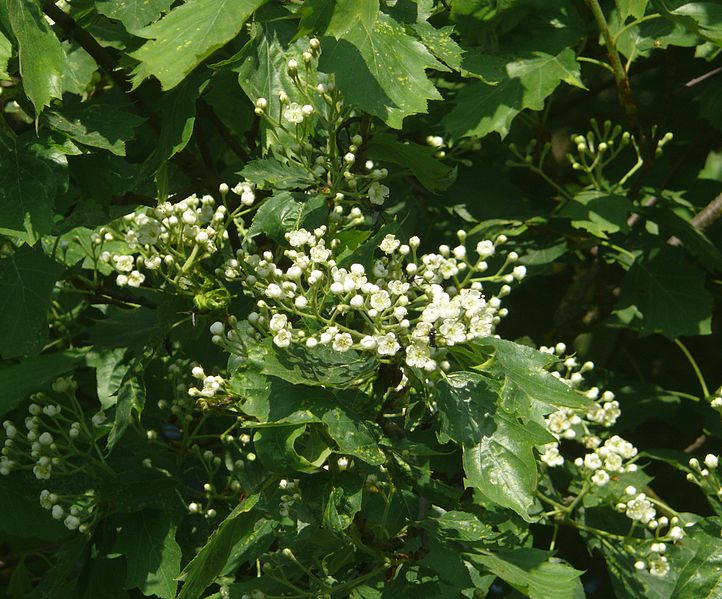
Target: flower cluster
point(607, 459)
point(165, 241)
point(331, 160)
point(640, 508)
point(406, 303)
point(212, 385)
point(705, 475)
point(53, 436)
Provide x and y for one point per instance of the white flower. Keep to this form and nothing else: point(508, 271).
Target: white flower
point(380, 300)
point(640, 509)
point(248, 197)
point(551, 456)
point(453, 332)
point(485, 248)
point(278, 322)
point(378, 193)
point(600, 478)
point(71, 522)
point(135, 278)
point(42, 470)
point(592, 461)
point(123, 263)
point(711, 461)
point(519, 272)
point(57, 511)
point(293, 113)
point(417, 355)
point(283, 338)
point(613, 463)
point(299, 238)
point(342, 342)
point(386, 345)
point(389, 244)
point(435, 141)
point(274, 291)
point(46, 501)
point(368, 343)
point(658, 566)
point(397, 287)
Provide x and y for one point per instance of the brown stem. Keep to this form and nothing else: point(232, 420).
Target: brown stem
point(709, 214)
point(624, 88)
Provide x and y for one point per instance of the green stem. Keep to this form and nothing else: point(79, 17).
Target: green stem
point(695, 367)
point(599, 63)
point(627, 27)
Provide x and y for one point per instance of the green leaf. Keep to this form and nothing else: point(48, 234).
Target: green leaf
point(668, 294)
point(270, 173)
point(631, 8)
point(27, 278)
point(524, 368)
point(80, 69)
point(42, 59)
point(502, 465)
point(211, 559)
point(251, 545)
point(461, 526)
point(262, 73)
point(700, 577)
point(531, 572)
point(315, 17)
point(694, 240)
point(352, 437)
point(153, 557)
point(131, 398)
point(598, 213)
point(178, 110)
point(706, 18)
point(186, 36)
point(276, 448)
point(134, 14)
point(282, 212)
point(30, 178)
point(321, 366)
point(124, 328)
point(467, 403)
point(343, 502)
point(431, 172)
point(111, 366)
point(480, 108)
point(34, 374)
point(379, 67)
point(6, 51)
point(102, 126)
point(441, 44)
point(19, 497)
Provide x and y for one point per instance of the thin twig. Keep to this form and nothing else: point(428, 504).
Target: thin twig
point(624, 88)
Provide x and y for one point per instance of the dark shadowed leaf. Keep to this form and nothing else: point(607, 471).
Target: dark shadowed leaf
point(27, 279)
